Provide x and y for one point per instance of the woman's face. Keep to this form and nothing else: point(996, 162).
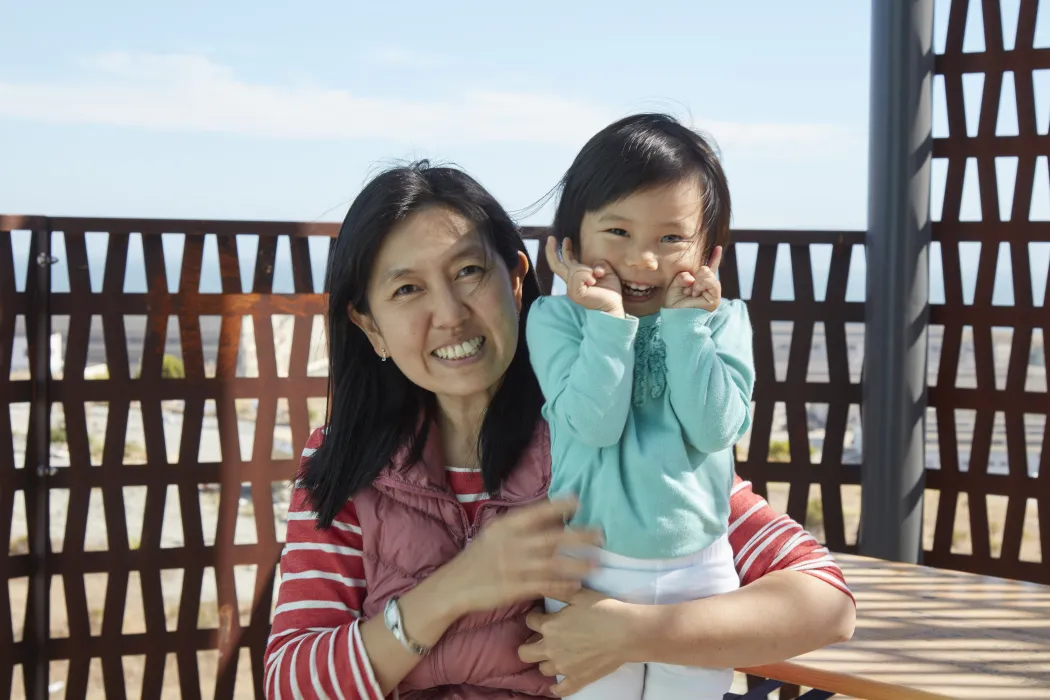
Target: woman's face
point(443, 308)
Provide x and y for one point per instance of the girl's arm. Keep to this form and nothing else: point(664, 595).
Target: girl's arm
point(793, 600)
point(584, 361)
point(710, 373)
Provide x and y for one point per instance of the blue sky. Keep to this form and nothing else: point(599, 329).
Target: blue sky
point(257, 111)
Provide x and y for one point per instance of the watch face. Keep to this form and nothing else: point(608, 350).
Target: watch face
point(390, 615)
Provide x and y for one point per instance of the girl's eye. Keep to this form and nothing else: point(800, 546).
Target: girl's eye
point(471, 270)
point(616, 231)
point(405, 289)
point(673, 239)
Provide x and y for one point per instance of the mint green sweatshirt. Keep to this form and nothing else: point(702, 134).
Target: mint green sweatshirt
point(643, 415)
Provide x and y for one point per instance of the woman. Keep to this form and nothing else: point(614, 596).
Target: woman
point(426, 581)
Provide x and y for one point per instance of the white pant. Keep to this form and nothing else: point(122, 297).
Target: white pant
point(662, 582)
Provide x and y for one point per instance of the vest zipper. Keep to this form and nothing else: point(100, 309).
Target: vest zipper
point(443, 495)
point(471, 528)
point(472, 531)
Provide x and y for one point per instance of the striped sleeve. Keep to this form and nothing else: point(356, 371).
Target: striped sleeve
point(764, 541)
point(315, 647)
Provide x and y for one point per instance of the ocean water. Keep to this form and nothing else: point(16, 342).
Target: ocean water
point(783, 289)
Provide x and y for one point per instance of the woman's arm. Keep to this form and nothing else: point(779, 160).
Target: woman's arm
point(779, 616)
point(319, 642)
point(315, 643)
point(782, 615)
point(793, 600)
point(515, 558)
point(319, 646)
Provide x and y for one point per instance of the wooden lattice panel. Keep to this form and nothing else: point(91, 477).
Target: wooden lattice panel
point(149, 584)
point(19, 485)
point(807, 312)
point(988, 396)
point(165, 573)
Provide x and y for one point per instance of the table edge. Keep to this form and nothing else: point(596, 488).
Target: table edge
point(812, 676)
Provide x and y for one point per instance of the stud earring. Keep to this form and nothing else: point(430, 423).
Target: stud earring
point(383, 354)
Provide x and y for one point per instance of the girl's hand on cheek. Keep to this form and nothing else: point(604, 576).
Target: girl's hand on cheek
point(596, 288)
point(699, 291)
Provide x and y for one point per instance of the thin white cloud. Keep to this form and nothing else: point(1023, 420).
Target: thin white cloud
point(194, 93)
point(395, 56)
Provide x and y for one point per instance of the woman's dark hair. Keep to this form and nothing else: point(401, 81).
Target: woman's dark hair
point(374, 409)
point(638, 153)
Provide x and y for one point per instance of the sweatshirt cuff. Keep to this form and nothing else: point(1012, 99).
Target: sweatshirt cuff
point(615, 335)
point(685, 319)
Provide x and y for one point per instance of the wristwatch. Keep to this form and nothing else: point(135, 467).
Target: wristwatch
point(392, 619)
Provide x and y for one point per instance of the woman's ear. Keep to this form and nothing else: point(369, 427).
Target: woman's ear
point(367, 324)
point(517, 278)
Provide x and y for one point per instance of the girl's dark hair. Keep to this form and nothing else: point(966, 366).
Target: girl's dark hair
point(373, 409)
point(637, 153)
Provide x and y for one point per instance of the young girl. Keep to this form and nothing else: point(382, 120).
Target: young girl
point(647, 375)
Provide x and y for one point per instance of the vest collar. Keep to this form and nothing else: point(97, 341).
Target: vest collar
point(528, 481)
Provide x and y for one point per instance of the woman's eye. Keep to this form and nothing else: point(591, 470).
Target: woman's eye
point(471, 270)
point(405, 289)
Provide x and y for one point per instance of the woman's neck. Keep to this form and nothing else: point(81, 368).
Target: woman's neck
point(460, 419)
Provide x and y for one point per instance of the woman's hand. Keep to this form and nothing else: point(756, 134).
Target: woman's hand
point(596, 288)
point(521, 556)
point(699, 291)
point(584, 642)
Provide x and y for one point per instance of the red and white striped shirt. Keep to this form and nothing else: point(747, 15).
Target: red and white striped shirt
point(315, 648)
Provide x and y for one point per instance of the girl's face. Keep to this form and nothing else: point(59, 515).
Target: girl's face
point(443, 308)
point(647, 238)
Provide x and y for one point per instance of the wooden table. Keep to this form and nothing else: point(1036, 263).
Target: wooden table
point(931, 633)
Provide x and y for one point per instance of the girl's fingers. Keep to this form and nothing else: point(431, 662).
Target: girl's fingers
point(684, 279)
point(716, 259)
point(706, 279)
point(584, 276)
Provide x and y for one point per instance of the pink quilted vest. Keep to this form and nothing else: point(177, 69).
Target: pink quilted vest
point(412, 524)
